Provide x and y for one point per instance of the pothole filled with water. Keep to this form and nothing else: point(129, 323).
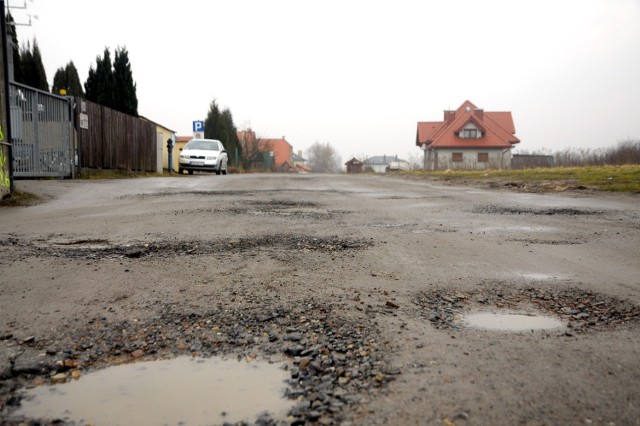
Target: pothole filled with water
point(184, 390)
point(511, 321)
point(576, 309)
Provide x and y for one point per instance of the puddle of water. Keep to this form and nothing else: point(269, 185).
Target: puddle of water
point(511, 322)
point(186, 391)
point(507, 228)
point(540, 276)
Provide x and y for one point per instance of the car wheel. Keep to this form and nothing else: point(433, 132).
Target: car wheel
point(180, 171)
point(190, 172)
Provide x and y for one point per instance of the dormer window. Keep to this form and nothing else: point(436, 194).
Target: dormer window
point(470, 133)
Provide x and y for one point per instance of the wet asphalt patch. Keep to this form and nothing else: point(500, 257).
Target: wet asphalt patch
point(294, 209)
point(492, 209)
point(551, 242)
point(335, 364)
point(232, 193)
point(581, 310)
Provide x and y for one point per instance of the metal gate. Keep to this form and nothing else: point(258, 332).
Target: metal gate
point(41, 133)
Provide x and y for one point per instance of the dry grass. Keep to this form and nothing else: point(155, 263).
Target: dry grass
point(19, 199)
point(602, 178)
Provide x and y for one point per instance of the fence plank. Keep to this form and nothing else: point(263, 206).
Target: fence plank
point(115, 140)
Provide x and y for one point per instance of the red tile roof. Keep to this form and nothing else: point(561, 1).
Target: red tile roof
point(498, 130)
point(303, 169)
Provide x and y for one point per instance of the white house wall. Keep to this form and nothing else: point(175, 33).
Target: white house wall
point(498, 159)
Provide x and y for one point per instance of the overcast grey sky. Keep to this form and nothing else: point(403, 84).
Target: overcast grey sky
point(361, 74)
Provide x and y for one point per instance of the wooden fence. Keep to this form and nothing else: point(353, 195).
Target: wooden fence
point(109, 139)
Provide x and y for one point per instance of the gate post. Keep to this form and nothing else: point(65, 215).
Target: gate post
point(6, 151)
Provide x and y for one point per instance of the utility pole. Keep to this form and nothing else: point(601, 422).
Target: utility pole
point(6, 152)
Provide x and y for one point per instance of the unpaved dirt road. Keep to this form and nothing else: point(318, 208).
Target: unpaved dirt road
point(367, 279)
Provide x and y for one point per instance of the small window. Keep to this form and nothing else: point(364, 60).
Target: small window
point(470, 133)
point(483, 157)
point(456, 157)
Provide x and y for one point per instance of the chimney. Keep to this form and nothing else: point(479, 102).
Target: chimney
point(480, 114)
point(300, 153)
point(449, 116)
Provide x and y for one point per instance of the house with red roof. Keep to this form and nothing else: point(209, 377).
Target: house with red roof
point(468, 138)
point(269, 153)
point(282, 150)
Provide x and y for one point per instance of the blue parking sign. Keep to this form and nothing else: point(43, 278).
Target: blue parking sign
point(198, 126)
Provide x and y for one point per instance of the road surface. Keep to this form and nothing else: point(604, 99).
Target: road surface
point(371, 278)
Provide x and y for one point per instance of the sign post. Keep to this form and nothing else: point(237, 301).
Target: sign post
point(198, 129)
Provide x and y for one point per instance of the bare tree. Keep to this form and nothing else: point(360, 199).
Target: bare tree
point(253, 149)
point(323, 158)
point(625, 152)
point(415, 160)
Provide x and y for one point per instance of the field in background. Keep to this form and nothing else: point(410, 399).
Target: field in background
point(603, 178)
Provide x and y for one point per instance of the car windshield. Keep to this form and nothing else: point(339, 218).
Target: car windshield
point(204, 145)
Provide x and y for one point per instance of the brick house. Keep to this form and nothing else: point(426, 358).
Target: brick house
point(468, 138)
point(282, 150)
point(274, 154)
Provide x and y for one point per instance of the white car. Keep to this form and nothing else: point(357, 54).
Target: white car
point(207, 155)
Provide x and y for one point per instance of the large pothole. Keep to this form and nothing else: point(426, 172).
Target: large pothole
point(99, 248)
point(552, 211)
point(182, 390)
point(580, 310)
point(334, 364)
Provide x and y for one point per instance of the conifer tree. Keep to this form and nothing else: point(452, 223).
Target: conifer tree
point(229, 135)
point(112, 85)
point(125, 87)
point(67, 78)
point(31, 68)
point(100, 84)
point(18, 75)
point(39, 74)
point(219, 125)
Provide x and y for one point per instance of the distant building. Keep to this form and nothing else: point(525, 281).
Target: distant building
point(298, 159)
point(468, 138)
point(271, 154)
point(385, 163)
point(181, 141)
point(162, 134)
point(354, 166)
point(300, 163)
point(282, 150)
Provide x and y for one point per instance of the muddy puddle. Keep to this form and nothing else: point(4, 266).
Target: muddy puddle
point(511, 321)
point(184, 390)
point(515, 229)
point(540, 276)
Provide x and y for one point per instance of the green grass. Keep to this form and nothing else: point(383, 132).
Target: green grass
point(603, 178)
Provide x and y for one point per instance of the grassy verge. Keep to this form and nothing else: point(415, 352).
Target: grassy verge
point(19, 199)
point(603, 178)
